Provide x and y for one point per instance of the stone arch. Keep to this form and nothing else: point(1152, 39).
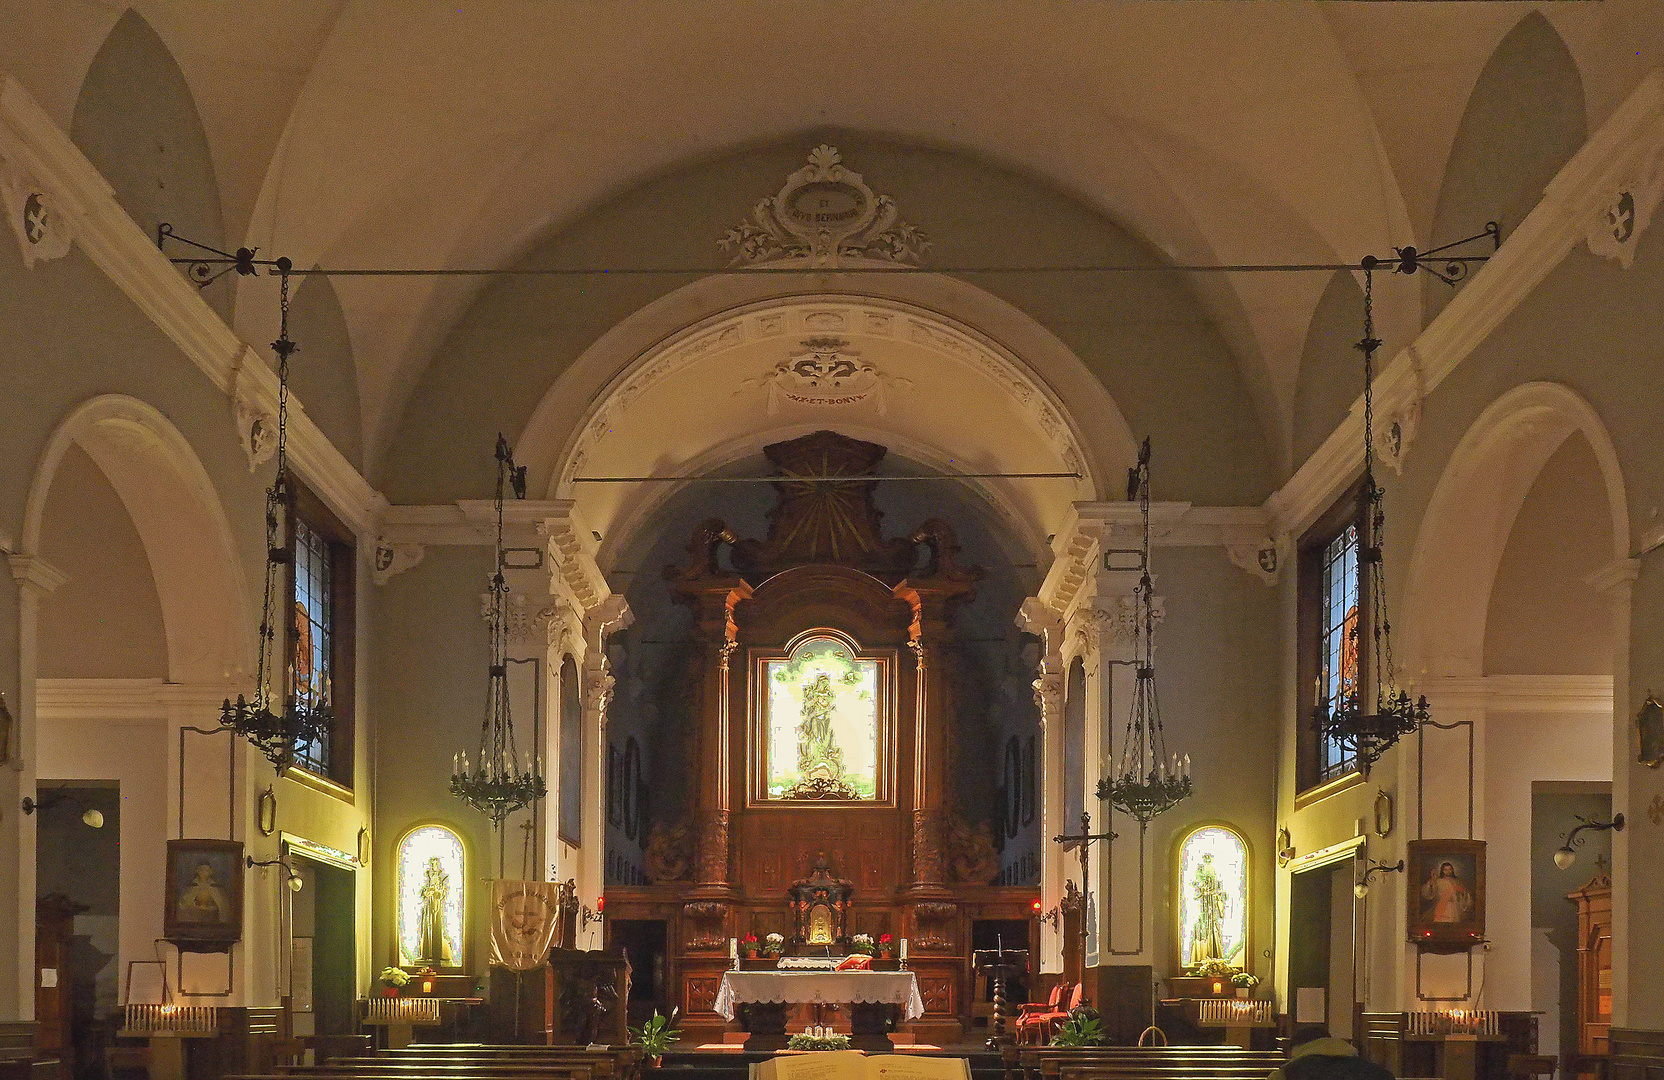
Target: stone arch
point(1056, 415)
point(186, 535)
point(1471, 513)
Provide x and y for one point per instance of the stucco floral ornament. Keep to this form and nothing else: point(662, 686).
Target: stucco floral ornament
point(825, 212)
point(826, 373)
point(1617, 228)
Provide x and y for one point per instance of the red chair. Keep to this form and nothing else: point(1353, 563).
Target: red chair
point(1038, 1024)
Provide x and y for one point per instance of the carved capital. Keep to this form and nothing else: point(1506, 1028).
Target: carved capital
point(38, 219)
point(1048, 695)
point(1115, 620)
point(389, 560)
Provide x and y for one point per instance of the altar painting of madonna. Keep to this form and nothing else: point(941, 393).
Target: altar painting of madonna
point(1213, 898)
point(822, 723)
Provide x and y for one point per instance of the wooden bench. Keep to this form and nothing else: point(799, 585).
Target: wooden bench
point(1049, 1063)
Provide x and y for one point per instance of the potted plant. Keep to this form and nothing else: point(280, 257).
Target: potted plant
point(655, 1037)
point(391, 979)
point(774, 944)
point(1244, 983)
point(886, 946)
point(1080, 1029)
point(748, 945)
point(861, 943)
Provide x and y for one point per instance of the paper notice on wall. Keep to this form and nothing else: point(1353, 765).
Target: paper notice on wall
point(1311, 1005)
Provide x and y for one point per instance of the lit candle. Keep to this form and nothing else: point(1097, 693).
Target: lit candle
point(904, 950)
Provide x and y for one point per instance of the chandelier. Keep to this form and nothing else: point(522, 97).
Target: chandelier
point(499, 781)
point(278, 723)
point(1148, 781)
point(1368, 731)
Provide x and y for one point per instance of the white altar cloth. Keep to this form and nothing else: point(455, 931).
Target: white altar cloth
point(820, 988)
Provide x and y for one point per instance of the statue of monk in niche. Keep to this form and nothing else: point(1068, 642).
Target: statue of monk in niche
point(1207, 939)
point(436, 890)
point(818, 753)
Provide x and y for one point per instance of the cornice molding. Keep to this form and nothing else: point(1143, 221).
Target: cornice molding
point(132, 701)
point(32, 143)
point(1575, 202)
point(34, 572)
point(1524, 693)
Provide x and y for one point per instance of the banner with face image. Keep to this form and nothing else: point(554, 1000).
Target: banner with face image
point(525, 917)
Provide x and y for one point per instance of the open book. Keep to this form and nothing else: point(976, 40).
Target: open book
point(854, 1065)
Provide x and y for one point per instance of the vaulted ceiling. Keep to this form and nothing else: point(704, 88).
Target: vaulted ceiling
point(364, 134)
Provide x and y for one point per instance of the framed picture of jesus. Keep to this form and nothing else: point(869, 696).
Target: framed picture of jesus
point(1445, 880)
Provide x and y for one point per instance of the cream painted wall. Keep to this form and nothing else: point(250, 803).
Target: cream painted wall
point(106, 620)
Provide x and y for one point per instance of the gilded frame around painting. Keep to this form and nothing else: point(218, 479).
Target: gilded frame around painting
point(1444, 884)
point(757, 766)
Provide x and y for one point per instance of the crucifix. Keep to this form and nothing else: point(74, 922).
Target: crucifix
point(1082, 842)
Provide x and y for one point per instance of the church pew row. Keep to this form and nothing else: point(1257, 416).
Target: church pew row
point(604, 1065)
point(1047, 1062)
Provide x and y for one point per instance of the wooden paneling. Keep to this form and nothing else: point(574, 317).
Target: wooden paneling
point(1637, 1054)
point(1122, 997)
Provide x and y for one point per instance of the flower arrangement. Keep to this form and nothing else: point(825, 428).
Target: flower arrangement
point(749, 946)
point(825, 1040)
point(392, 976)
point(1242, 980)
point(774, 944)
point(886, 946)
point(861, 943)
point(1212, 969)
point(656, 1036)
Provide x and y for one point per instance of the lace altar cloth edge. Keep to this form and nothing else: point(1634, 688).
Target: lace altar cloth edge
point(820, 987)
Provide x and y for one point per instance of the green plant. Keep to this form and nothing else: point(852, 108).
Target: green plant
point(861, 943)
point(830, 1041)
point(1079, 1030)
point(656, 1035)
point(1244, 981)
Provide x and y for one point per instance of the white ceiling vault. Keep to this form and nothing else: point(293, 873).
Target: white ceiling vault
point(389, 134)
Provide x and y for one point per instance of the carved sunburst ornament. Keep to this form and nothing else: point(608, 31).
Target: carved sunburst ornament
point(825, 212)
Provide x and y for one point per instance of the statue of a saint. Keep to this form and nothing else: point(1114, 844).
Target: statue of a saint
point(818, 753)
point(436, 891)
point(1207, 941)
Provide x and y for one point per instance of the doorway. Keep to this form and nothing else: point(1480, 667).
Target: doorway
point(1322, 973)
point(323, 975)
point(644, 943)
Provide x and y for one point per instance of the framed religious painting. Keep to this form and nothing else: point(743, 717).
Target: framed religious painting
point(821, 724)
point(1445, 880)
point(203, 911)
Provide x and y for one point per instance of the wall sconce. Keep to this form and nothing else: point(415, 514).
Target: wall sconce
point(1565, 855)
point(1361, 889)
point(295, 882)
point(1285, 847)
point(94, 819)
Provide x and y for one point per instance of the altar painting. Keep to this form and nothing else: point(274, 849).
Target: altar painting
point(821, 723)
point(1213, 898)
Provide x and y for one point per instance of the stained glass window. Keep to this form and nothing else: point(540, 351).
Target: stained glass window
point(312, 666)
point(821, 723)
point(1213, 897)
point(1338, 639)
point(430, 884)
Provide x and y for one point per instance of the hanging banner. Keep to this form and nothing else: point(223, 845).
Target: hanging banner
point(525, 916)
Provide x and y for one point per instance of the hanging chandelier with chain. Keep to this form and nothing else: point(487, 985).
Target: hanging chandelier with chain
point(278, 722)
point(1363, 725)
point(499, 781)
point(1148, 781)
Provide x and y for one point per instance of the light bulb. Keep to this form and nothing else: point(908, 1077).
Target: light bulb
point(1360, 890)
point(296, 884)
point(93, 818)
point(1564, 857)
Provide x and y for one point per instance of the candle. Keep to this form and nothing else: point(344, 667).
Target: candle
point(904, 950)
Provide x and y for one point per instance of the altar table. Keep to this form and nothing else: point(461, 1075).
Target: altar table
point(870, 994)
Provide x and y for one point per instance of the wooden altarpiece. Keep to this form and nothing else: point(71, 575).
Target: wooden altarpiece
point(824, 569)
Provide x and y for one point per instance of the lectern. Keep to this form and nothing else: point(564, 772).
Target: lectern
point(999, 965)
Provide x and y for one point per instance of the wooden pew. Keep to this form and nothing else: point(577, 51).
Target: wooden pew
point(1048, 1062)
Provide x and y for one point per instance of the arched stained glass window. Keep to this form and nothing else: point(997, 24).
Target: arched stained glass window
point(430, 884)
point(822, 721)
point(1213, 897)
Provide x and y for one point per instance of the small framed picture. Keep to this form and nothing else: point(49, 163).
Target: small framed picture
point(1649, 733)
point(1446, 883)
point(204, 907)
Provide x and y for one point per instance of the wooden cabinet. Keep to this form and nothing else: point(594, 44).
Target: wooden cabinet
point(1594, 965)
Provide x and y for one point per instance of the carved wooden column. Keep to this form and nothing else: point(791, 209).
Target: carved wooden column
point(928, 635)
